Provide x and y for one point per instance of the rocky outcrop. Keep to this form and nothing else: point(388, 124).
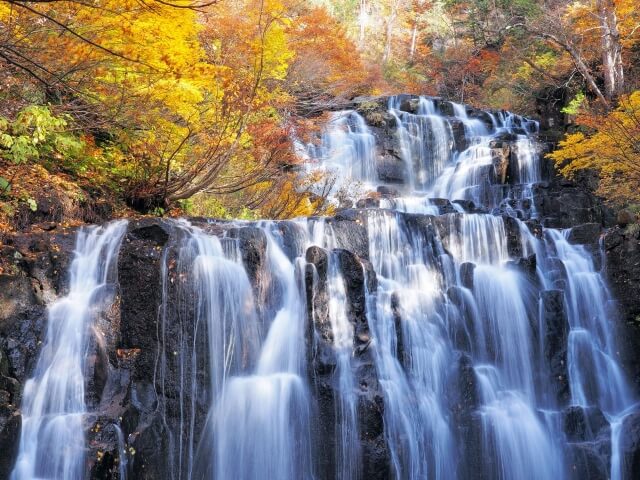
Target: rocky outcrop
point(622, 267)
point(564, 204)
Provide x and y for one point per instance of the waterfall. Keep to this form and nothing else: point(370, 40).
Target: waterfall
point(345, 151)
point(52, 442)
point(433, 334)
point(426, 141)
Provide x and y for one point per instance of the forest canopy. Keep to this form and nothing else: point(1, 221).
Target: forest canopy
point(191, 106)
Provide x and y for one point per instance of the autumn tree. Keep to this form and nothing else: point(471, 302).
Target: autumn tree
point(611, 146)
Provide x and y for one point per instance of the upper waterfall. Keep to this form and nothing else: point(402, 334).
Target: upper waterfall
point(429, 148)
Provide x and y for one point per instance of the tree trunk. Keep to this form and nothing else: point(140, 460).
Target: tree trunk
point(362, 19)
point(612, 67)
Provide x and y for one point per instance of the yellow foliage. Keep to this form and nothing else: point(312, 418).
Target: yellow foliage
point(613, 149)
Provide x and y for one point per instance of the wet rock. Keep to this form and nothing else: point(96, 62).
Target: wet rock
point(630, 445)
point(484, 117)
point(459, 134)
point(586, 460)
point(443, 204)
point(396, 312)
point(527, 266)
point(514, 243)
point(349, 227)
point(10, 425)
point(140, 279)
point(463, 398)
point(564, 204)
point(500, 153)
point(467, 205)
point(556, 331)
point(391, 169)
point(252, 243)
point(321, 356)
point(353, 274)
point(622, 269)
point(463, 394)
point(584, 424)
point(387, 192)
point(585, 233)
point(293, 238)
point(461, 318)
point(370, 412)
point(35, 266)
point(368, 203)
point(535, 228)
point(466, 274)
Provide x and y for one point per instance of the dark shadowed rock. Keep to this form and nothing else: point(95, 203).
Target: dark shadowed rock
point(630, 445)
point(526, 265)
point(349, 227)
point(514, 243)
point(585, 233)
point(584, 424)
point(622, 269)
point(556, 331)
point(391, 169)
point(466, 274)
point(252, 243)
point(587, 461)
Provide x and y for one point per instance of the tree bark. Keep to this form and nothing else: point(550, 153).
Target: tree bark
point(612, 67)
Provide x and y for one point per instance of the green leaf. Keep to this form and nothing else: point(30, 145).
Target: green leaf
point(5, 185)
point(33, 205)
point(574, 105)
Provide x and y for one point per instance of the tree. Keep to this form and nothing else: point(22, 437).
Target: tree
point(611, 146)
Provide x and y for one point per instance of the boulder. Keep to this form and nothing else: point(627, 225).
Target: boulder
point(391, 169)
point(625, 217)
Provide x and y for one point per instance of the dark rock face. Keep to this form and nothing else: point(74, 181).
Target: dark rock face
point(465, 401)
point(586, 460)
point(564, 204)
point(391, 169)
point(584, 424)
point(556, 331)
point(630, 445)
point(587, 233)
point(622, 268)
point(358, 277)
point(466, 274)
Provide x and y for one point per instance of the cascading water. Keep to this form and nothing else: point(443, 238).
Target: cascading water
point(256, 401)
point(346, 151)
point(452, 345)
point(52, 442)
point(428, 310)
point(425, 139)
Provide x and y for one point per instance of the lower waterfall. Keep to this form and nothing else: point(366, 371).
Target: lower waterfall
point(52, 442)
point(412, 338)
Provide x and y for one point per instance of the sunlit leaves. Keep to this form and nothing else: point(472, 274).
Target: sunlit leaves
point(611, 146)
